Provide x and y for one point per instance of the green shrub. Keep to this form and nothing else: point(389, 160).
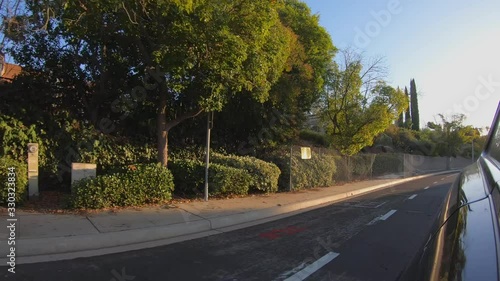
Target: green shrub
point(318, 171)
point(223, 180)
point(189, 178)
point(314, 137)
point(265, 175)
point(21, 180)
point(14, 139)
point(140, 184)
point(315, 172)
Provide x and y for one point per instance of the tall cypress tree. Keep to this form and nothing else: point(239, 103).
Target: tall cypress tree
point(401, 120)
point(407, 112)
point(415, 117)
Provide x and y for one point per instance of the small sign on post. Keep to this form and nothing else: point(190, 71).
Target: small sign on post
point(305, 152)
point(33, 170)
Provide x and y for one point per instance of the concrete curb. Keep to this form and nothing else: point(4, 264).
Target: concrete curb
point(31, 249)
point(68, 244)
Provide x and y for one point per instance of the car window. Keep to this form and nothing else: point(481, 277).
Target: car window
point(494, 145)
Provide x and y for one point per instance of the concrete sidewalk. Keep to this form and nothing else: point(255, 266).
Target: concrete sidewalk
point(47, 237)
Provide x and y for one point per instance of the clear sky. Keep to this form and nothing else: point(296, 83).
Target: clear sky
point(450, 48)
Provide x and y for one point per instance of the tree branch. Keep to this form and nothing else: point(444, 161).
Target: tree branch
point(178, 120)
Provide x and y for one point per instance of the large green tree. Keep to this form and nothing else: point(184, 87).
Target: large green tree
point(181, 57)
point(353, 115)
point(279, 119)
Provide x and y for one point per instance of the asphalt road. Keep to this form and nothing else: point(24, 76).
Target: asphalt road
point(371, 237)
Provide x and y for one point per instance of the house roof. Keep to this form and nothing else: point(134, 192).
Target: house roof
point(10, 71)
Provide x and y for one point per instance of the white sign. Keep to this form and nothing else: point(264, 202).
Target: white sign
point(305, 152)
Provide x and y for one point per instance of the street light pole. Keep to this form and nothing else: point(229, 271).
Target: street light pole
point(210, 123)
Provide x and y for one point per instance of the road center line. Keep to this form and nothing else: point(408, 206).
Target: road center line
point(412, 197)
point(313, 267)
point(427, 188)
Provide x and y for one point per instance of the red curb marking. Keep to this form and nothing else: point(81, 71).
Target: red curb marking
point(277, 233)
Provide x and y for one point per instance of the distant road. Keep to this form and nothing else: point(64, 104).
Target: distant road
point(371, 237)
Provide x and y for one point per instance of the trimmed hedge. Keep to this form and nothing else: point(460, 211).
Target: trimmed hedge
point(140, 184)
point(189, 178)
point(224, 180)
point(319, 171)
point(265, 175)
point(21, 180)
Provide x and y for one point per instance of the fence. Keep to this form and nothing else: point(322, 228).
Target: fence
point(326, 167)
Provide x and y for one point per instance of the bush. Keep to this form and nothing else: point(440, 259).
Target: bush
point(265, 175)
point(189, 178)
point(314, 137)
point(140, 184)
point(223, 180)
point(315, 172)
point(14, 139)
point(21, 182)
point(318, 171)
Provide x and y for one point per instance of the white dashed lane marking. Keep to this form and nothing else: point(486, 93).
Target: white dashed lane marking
point(313, 267)
point(412, 197)
point(382, 218)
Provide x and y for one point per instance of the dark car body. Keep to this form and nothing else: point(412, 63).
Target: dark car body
point(465, 243)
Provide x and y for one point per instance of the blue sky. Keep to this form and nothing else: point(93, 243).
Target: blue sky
point(450, 48)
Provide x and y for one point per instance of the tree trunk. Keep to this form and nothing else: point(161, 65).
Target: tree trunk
point(162, 130)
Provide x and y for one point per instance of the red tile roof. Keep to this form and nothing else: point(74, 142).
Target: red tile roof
point(10, 71)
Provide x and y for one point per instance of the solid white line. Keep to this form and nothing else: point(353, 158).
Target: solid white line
point(386, 216)
point(427, 187)
point(412, 197)
point(313, 267)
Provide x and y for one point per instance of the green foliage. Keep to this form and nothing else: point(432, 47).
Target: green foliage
point(353, 111)
point(189, 178)
point(318, 171)
point(225, 180)
point(408, 141)
point(415, 115)
point(14, 139)
point(20, 173)
point(189, 175)
point(140, 184)
point(407, 123)
point(451, 135)
point(315, 137)
point(264, 175)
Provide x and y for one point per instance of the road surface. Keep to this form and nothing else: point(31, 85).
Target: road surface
point(371, 237)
